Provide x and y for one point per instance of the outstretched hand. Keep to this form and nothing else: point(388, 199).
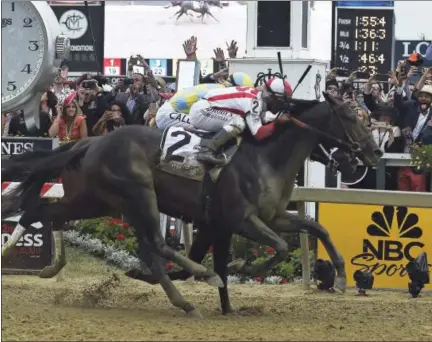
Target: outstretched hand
point(232, 49)
point(142, 61)
point(219, 55)
point(190, 47)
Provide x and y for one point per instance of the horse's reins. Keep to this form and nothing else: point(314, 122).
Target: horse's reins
point(350, 146)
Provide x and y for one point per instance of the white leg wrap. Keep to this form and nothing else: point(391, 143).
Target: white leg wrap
point(16, 235)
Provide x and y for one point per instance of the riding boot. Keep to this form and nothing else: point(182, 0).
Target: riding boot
point(209, 148)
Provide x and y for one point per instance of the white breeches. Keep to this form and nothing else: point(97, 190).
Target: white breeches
point(166, 116)
point(203, 116)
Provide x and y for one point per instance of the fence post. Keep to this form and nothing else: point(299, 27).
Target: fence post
point(304, 245)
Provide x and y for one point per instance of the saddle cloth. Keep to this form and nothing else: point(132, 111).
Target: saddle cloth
point(179, 148)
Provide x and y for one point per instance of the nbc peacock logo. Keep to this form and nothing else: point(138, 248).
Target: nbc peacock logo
point(397, 232)
point(393, 240)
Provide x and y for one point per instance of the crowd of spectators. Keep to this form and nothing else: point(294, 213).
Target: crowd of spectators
point(395, 109)
point(398, 113)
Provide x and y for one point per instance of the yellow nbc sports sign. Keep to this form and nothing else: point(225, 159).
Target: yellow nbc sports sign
point(378, 239)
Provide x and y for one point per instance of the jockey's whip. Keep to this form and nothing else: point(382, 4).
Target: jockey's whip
point(302, 77)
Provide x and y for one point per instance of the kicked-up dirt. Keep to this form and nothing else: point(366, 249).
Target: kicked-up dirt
point(99, 303)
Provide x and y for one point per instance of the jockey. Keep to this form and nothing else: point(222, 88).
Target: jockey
point(228, 111)
point(175, 112)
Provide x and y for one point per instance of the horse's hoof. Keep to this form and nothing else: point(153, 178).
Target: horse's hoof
point(236, 265)
point(340, 284)
point(195, 314)
point(215, 281)
point(49, 272)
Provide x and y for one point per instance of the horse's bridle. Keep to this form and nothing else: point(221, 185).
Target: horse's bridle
point(349, 146)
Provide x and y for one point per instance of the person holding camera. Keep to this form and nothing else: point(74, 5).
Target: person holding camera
point(92, 103)
point(116, 116)
point(141, 92)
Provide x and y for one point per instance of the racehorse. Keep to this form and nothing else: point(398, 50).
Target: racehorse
point(201, 7)
point(251, 194)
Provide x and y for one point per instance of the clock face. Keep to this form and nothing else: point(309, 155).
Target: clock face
point(24, 47)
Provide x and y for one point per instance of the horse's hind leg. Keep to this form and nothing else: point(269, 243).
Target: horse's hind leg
point(199, 248)
point(141, 209)
point(175, 14)
point(211, 15)
point(178, 17)
point(155, 264)
point(286, 222)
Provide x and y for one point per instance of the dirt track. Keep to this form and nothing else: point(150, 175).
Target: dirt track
point(37, 309)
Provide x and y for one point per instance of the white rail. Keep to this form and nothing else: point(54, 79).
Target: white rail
point(356, 196)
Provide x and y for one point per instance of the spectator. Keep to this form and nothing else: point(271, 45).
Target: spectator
point(92, 102)
point(116, 116)
point(138, 98)
point(49, 104)
point(415, 114)
point(70, 124)
point(17, 125)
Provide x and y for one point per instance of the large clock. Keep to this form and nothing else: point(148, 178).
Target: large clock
point(32, 49)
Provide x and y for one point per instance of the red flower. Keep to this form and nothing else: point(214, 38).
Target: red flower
point(270, 250)
point(116, 221)
point(120, 237)
point(106, 218)
point(210, 251)
point(259, 279)
point(125, 226)
point(283, 281)
point(168, 266)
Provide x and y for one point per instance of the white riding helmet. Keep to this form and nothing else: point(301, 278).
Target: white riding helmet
point(278, 87)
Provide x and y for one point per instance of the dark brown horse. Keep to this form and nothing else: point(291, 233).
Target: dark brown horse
point(120, 172)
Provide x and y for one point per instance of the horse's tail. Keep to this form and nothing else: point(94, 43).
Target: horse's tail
point(19, 166)
point(38, 171)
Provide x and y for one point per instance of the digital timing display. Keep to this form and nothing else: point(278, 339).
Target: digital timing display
point(364, 39)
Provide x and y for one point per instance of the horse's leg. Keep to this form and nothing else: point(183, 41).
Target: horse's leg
point(175, 14)
point(199, 248)
point(256, 230)
point(286, 222)
point(181, 13)
point(211, 15)
point(221, 245)
point(141, 208)
point(155, 264)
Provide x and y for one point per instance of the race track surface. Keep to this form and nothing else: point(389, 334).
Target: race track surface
point(80, 308)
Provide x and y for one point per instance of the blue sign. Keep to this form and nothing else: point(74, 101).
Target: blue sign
point(365, 4)
point(159, 67)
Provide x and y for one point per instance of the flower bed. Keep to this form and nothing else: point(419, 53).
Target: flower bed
point(421, 157)
point(114, 240)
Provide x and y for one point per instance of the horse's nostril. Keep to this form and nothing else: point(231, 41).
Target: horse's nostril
point(378, 153)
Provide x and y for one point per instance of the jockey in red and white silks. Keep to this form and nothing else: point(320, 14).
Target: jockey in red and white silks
point(228, 111)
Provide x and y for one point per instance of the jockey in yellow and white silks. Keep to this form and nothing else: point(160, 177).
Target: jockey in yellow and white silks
point(175, 112)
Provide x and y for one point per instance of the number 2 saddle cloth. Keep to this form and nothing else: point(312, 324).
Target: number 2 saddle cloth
point(179, 148)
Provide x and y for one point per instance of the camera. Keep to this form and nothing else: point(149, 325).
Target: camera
point(89, 84)
point(128, 81)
